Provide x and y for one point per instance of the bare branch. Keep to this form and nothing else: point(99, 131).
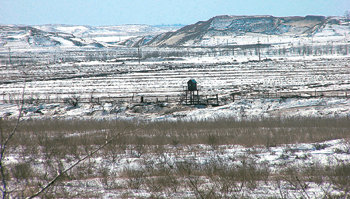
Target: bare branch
point(74, 165)
point(5, 143)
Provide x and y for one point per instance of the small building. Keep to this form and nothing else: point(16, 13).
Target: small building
point(192, 97)
point(192, 85)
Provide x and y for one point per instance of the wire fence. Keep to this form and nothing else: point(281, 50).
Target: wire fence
point(218, 99)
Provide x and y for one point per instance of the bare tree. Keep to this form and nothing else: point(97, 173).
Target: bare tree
point(4, 141)
point(60, 174)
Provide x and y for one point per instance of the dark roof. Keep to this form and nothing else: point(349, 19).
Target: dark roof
point(192, 81)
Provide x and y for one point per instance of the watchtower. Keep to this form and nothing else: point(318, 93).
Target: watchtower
point(192, 85)
point(192, 96)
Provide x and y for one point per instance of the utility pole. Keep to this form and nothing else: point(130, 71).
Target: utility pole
point(259, 50)
point(139, 53)
point(9, 56)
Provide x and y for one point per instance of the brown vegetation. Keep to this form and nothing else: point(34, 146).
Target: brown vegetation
point(43, 148)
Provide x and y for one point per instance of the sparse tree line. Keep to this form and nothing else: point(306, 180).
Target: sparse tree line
point(29, 59)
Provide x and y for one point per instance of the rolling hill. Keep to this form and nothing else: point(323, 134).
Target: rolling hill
point(221, 29)
point(56, 35)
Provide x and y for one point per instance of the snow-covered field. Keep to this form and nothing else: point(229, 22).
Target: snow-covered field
point(287, 158)
point(292, 86)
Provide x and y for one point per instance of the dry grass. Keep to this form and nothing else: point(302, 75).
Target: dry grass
point(53, 144)
point(267, 132)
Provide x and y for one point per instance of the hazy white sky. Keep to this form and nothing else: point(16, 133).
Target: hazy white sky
point(153, 12)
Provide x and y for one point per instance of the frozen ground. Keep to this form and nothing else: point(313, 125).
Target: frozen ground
point(274, 159)
point(281, 87)
point(240, 109)
point(121, 176)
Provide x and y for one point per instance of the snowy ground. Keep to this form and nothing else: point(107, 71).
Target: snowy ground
point(240, 109)
point(282, 87)
point(286, 166)
point(274, 159)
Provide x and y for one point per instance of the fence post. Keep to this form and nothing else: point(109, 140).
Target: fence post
point(217, 99)
point(197, 97)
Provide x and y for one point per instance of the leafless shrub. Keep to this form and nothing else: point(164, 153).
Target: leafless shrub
point(345, 148)
point(319, 146)
point(340, 178)
point(58, 143)
point(296, 181)
point(162, 184)
point(106, 178)
point(138, 149)
point(212, 140)
point(22, 171)
point(134, 178)
point(72, 100)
